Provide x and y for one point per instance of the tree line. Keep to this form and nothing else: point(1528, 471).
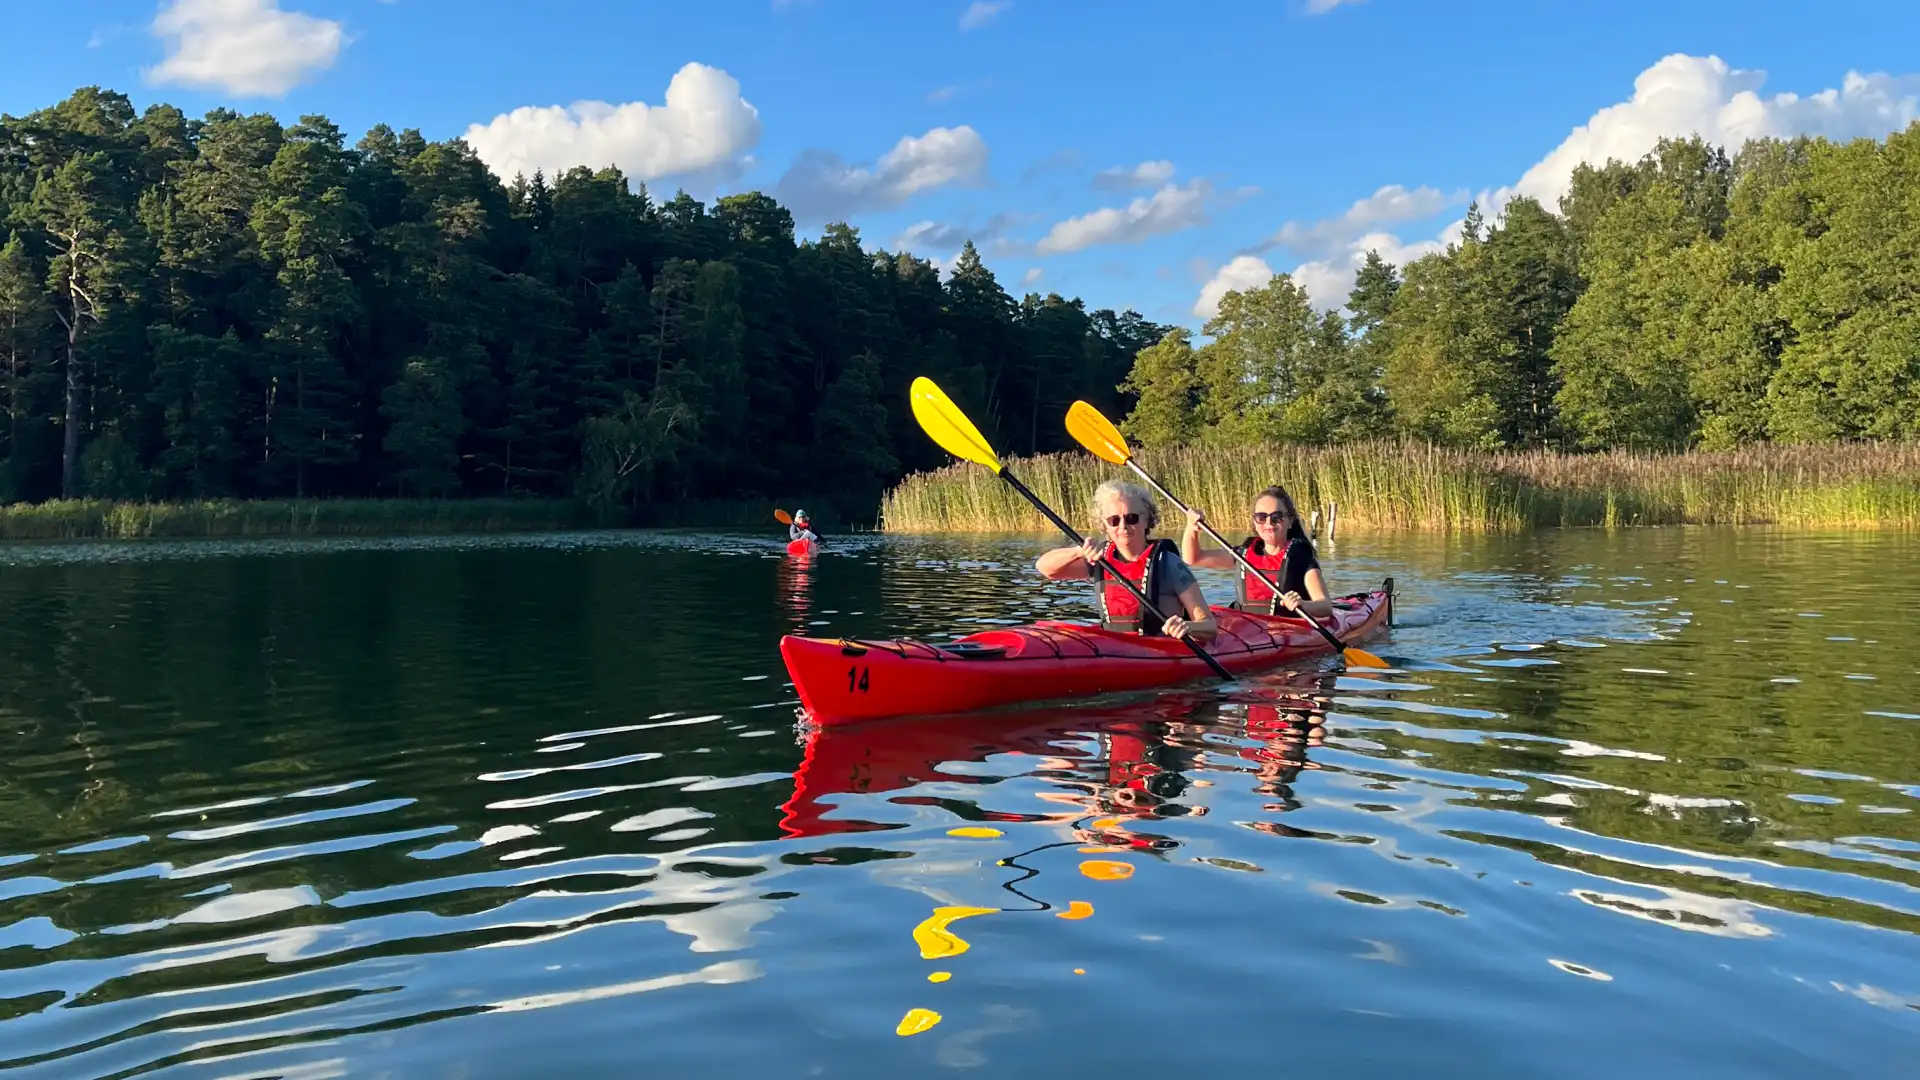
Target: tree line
point(232, 307)
point(1691, 299)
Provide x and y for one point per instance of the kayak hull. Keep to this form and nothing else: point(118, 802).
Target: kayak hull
point(799, 548)
point(849, 681)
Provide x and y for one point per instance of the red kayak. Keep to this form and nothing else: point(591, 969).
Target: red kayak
point(843, 682)
point(800, 548)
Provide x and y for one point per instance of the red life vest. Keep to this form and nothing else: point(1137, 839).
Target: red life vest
point(1119, 608)
point(1255, 594)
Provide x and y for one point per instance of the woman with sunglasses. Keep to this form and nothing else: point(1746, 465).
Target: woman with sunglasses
point(1126, 513)
point(1279, 548)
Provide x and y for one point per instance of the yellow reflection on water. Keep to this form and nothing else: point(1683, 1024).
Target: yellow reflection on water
point(933, 937)
point(916, 1021)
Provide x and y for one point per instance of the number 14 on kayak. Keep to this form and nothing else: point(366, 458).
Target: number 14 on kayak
point(843, 680)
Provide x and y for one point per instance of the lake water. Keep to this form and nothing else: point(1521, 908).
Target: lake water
point(1629, 804)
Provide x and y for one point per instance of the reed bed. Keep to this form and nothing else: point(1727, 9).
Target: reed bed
point(99, 518)
point(1411, 486)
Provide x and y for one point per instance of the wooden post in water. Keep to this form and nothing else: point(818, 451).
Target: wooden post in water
point(1313, 525)
point(1333, 510)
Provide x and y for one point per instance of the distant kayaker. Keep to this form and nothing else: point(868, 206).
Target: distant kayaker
point(1279, 548)
point(801, 528)
point(1126, 514)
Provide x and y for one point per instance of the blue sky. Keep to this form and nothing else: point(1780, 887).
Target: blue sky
point(1136, 154)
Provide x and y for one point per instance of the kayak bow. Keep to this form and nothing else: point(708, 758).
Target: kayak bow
point(843, 681)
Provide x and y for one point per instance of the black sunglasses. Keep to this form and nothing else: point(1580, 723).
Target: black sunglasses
point(1261, 517)
point(1113, 520)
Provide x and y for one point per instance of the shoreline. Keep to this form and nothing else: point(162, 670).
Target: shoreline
point(105, 519)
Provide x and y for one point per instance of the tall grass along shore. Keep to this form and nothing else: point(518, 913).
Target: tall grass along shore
point(1417, 486)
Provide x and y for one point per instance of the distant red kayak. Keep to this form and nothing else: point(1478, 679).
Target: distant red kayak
point(844, 681)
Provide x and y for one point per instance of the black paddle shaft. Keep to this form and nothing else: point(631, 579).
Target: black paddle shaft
point(1145, 603)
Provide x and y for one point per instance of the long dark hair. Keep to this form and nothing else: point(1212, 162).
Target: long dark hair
point(1295, 530)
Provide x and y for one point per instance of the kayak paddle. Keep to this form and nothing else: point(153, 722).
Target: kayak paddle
point(947, 425)
point(1095, 432)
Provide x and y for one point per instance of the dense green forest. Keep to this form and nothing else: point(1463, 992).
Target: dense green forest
point(1691, 299)
point(233, 307)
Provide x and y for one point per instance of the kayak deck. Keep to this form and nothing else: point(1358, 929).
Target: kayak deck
point(846, 681)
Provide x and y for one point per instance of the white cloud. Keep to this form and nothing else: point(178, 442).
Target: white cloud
point(820, 186)
point(935, 236)
point(940, 243)
point(981, 14)
point(247, 47)
point(1389, 204)
point(931, 236)
point(1676, 97)
point(1242, 273)
point(1171, 209)
point(1033, 274)
point(1321, 7)
point(1328, 281)
point(1142, 177)
point(1687, 95)
point(944, 94)
point(703, 126)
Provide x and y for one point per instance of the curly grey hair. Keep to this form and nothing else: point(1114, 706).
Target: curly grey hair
point(1136, 497)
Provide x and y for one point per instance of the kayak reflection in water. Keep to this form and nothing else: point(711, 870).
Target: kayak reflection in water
point(1279, 547)
point(796, 582)
point(1295, 720)
point(1127, 514)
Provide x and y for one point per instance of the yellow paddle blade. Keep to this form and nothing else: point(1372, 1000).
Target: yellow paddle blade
point(947, 425)
point(1095, 432)
point(1363, 658)
point(783, 517)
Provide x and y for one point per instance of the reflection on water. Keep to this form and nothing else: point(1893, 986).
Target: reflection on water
point(331, 808)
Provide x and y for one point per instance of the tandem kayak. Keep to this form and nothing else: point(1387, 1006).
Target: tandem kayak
point(842, 681)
